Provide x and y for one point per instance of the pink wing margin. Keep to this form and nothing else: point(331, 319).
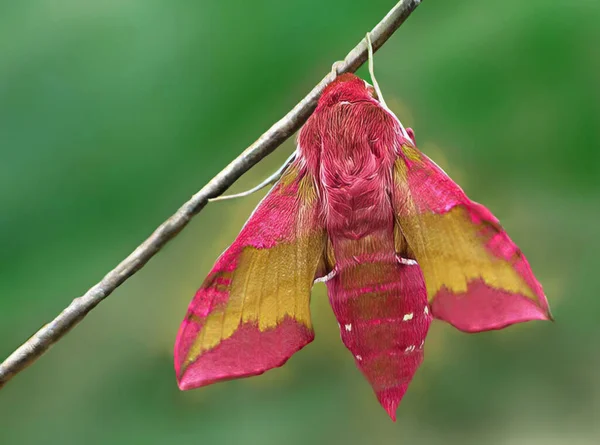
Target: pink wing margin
point(252, 312)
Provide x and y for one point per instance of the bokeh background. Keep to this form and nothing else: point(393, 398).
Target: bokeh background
point(114, 112)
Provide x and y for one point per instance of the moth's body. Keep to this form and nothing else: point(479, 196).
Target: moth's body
point(350, 145)
point(394, 237)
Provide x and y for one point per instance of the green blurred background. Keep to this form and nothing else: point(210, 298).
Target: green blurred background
point(114, 112)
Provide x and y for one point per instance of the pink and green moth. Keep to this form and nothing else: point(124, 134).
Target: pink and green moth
point(395, 239)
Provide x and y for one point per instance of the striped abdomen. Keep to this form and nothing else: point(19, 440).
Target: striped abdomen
point(381, 307)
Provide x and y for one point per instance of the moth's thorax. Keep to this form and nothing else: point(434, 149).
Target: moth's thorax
point(350, 147)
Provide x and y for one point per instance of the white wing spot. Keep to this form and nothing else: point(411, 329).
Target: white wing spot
point(359, 358)
point(348, 327)
point(411, 348)
point(422, 344)
point(408, 316)
point(426, 310)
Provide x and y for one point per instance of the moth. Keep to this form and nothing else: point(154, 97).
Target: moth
point(397, 242)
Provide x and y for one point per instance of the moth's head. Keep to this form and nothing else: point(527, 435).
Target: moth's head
point(347, 88)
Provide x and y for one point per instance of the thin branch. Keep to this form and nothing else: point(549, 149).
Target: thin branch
point(39, 343)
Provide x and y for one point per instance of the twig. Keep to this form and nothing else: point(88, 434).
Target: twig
point(39, 343)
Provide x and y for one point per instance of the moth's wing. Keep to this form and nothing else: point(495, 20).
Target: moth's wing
point(252, 312)
point(477, 279)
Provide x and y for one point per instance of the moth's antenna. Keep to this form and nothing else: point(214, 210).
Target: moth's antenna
point(378, 90)
point(270, 180)
point(372, 71)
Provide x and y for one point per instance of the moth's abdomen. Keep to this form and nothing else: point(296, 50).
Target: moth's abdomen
point(381, 306)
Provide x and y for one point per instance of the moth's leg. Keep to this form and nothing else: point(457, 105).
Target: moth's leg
point(376, 85)
point(270, 180)
point(372, 71)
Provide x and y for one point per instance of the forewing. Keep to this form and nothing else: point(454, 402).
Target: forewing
point(252, 311)
point(477, 279)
